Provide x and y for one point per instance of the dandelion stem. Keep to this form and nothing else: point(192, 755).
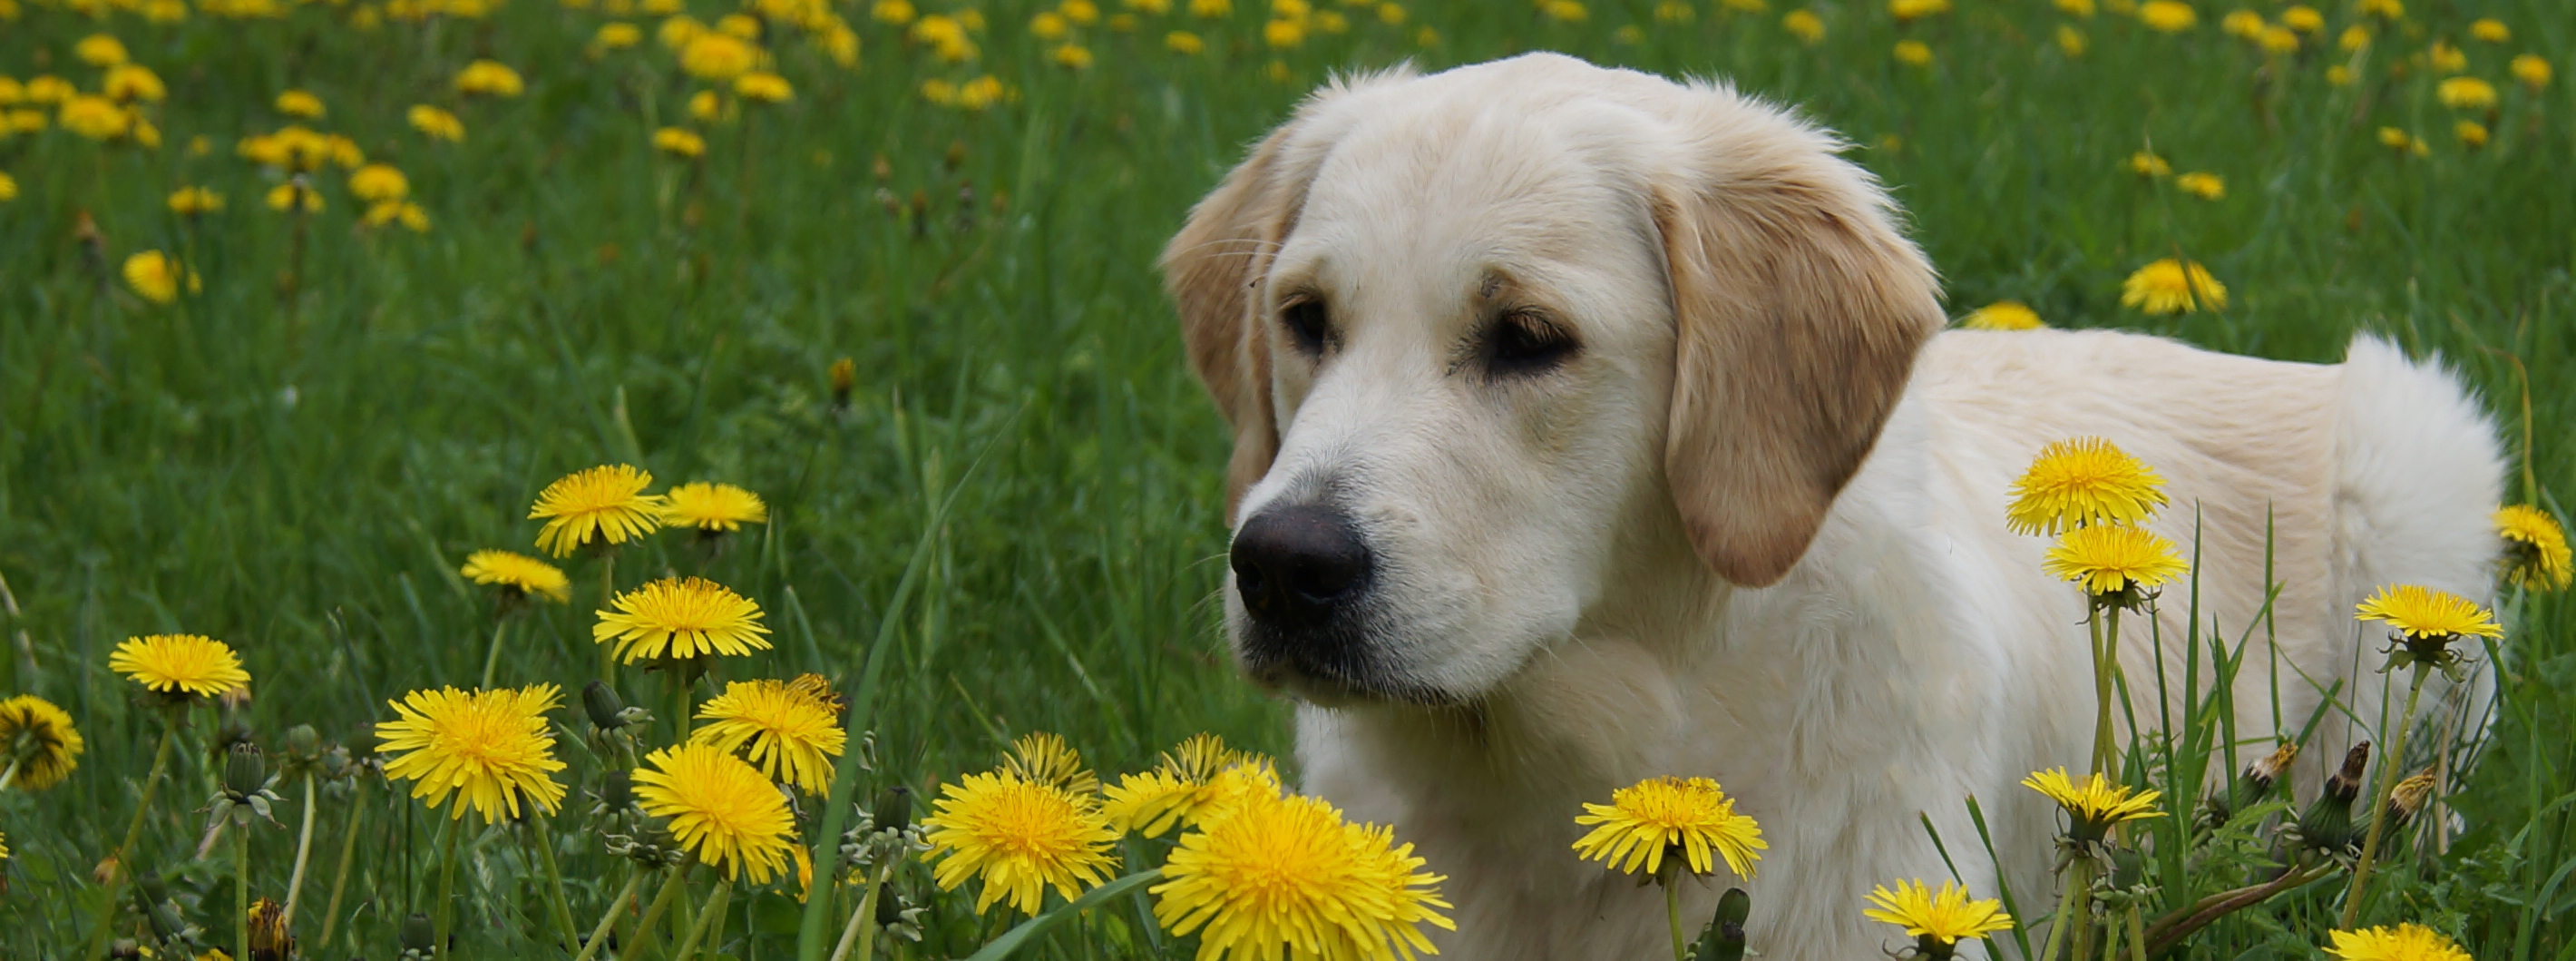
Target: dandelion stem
point(2105, 654)
point(2137, 935)
point(241, 892)
point(446, 884)
point(303, 850)
point(10, 776)
point(492, 658)
point(2079, 876)
point(555, 903)
point(1673, 916)
point(710, 915)
point(348, 853)
point(115, 863)
point(608, 921)
point(2389, 764)
point(607, 595)
point(851, 933)
point(653, 914)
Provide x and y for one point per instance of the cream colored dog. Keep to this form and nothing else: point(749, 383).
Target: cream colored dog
point(1592, 427)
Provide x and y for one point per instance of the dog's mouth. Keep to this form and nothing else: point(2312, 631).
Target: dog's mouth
point(1331, 674)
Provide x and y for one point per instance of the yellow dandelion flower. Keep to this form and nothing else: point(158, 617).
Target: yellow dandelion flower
point(100, 50)
point(1691, 817)
point(492, 750)
point(2465, 93)
point(2472, 134)
point(157, 276)
point(2422, 612)
point(2202, 184)
point(2528, 68)
point(2279, 40)
point(2536, 554)
point(616, 36)
point(8, 187)
point(681, 618)
point(2112, 558)
point(1020, 836)
point(720, 808)
point(300, 103)
point(518, 572)
point(2303, 18)
point(1049, 25)
point(1804, 25)
point(2094, 805)
point(2172, 286)
point(2003, 315)
point(95, 117)
point(2391, 9)
point(1904, 10)
point(195, 201)
point(718, 56)
point(1196, 781)
point(2242, 24)
point(133, 83)
point(2081, 482)
point(605, 502)
point(1913, 53)
point(283, 197)
point(2070, 40)
point(2490, 30)
point(1072, 55)
point(1205, 9)
point(786, 729)
point(180, 665)
point(436, 123)
point(2446, 58)
point(2405, 942)
point(46, 88)
point(679, 143)
point(712, 507)
point(1945, 917)
point(1289, 877)
point(2168, 16)
point(763, 87)
point(2076, 8)
point(403, 212)
point(38, 742)
point(739, 25)
point(489, 78)
point(1184, 43)
point(2147, 164)
point(377, 183)
point(1044, 758)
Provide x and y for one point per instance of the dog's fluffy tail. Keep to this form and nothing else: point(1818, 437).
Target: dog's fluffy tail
point(2418, 478)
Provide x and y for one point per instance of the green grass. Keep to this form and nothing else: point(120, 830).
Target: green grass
point(303, 479)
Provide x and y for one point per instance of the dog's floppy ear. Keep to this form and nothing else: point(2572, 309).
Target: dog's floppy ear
point(1799, 310)
point(1213, 268)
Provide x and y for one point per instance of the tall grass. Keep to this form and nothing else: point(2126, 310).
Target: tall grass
point(303, 482)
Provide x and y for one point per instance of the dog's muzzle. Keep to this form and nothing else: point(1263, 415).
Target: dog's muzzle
point(1304, 573)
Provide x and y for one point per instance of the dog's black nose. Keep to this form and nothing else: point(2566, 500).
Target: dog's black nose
point(1295, 565)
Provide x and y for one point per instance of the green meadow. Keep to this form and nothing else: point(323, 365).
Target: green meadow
point(1016, 502)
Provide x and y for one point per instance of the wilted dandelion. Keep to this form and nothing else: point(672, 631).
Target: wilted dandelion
point(1661, 817)
point(2405, 942)
point(2168, 16)
point(2003, 315)
point(681, 618)
point(2536, 556)
point(180, 665)
point(1287, 876)
point(2202, 184)
point(491, 749)
point(300, 103)
point(156, 276)
point(720, 808)
point(790, 731)
point(605, 503)
point(1019, 836)
point(518, 573)
point(2465, 93)
point(2172, 286)
point(38, 745)
point(489, 79)
point(2093, 806)
point(2113, 559)
point(1939, 921)
point(2080, 483)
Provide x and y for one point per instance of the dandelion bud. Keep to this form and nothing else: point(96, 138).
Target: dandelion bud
point(2408, 798)
point(845, 376)
point(893, 809)
point(1723, 939)
point(2266, 770)
point(418, 935)
point(600, 701)
point(890, 907)
point(2327, 823)
point(245, 771)
point(269, 939)
point(617, 790)
point(303, 742)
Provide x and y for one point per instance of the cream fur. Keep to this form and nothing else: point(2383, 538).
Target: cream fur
point(1541, 589)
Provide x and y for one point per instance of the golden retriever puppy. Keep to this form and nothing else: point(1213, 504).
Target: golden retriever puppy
point(1591, 426)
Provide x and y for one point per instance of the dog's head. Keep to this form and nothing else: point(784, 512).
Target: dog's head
point(1474, 330)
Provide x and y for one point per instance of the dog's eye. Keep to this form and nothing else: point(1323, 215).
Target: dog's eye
point(1309, 325)
point(1524, 342)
